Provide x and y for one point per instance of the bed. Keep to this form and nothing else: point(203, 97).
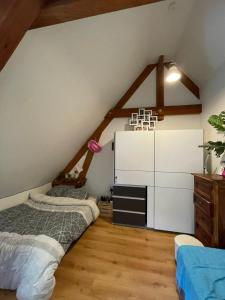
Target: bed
point(200, 273)
point(34, 237)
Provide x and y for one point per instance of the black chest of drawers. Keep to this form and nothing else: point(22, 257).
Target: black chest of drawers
point(130, 205)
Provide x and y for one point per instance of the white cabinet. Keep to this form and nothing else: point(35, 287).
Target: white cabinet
point(134, 157)
point(163, 161)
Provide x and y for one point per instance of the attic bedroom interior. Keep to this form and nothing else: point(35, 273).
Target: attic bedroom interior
point(112, 152)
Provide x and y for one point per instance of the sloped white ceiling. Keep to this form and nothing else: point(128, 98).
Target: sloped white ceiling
point(202, 48)
point(63, 79)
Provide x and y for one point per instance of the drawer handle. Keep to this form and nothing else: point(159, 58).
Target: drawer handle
point(128, 197)
point(130, 212)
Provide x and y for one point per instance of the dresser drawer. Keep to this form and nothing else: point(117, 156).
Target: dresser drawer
point(123, 203)
point(204, 188)
point(129, 218)
point(203, 236)
point(130, 191)
point(205, 205)
point(204, 221)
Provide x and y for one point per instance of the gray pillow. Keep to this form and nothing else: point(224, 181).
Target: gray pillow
point(68, 191)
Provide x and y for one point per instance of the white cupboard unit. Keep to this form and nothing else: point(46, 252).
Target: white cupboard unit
point(162, 160)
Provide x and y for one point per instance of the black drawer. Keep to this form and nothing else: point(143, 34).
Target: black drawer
point(130, 191)
point(128, 218)
point(129, 204)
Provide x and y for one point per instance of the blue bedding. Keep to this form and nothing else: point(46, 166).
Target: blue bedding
point(201, 273)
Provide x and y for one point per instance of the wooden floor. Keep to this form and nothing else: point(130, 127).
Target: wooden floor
point(116, 263)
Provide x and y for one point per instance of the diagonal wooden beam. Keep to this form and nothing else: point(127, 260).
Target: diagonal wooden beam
point(97, 133)
point(167, 111)
point(136, 84)
point(60, 11)
point(90, 155)
point(16, 17)
point(188, 82)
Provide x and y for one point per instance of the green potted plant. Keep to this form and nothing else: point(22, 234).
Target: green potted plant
point(218, 147)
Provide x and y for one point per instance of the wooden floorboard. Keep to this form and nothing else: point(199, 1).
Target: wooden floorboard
point(112, 262)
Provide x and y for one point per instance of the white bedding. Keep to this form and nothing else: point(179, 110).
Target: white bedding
point(26, 266)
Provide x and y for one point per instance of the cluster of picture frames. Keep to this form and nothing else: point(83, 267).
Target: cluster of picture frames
point(143, 120)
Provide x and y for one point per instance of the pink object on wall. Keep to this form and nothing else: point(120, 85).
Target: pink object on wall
point(223, 174)
point(94, 146)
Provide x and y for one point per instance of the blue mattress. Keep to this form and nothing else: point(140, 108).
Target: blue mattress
point(201, 273)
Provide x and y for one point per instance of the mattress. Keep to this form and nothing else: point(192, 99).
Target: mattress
point(200, 273)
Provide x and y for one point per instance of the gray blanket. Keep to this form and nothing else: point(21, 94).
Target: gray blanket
point(64, 227)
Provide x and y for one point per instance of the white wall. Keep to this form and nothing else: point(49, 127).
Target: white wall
point(201, 53)
point(63, 79)
point(22, 197)
point(213, 98)
point(101, 172)
point(202, 48)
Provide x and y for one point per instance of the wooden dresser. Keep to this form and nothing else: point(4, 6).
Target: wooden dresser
point(209, 201)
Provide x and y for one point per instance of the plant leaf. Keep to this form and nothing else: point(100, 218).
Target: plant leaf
point(217, 122)
point(222, 116)
point(218, 147)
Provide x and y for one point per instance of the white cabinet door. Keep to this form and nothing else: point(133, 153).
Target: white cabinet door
point(178, 151)
point(174, 180)
point(174, 210)
point(134, 151)
point(134, 178)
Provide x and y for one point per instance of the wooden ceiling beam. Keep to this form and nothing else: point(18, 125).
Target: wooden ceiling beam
point(166, 110)
point(16, 17)
point(160, 87)
point(160, 82)
point(60, 11)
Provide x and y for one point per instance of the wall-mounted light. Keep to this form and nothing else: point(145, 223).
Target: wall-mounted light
point(173, 74)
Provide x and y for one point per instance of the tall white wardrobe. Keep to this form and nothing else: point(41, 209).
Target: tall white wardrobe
point(162, 160)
